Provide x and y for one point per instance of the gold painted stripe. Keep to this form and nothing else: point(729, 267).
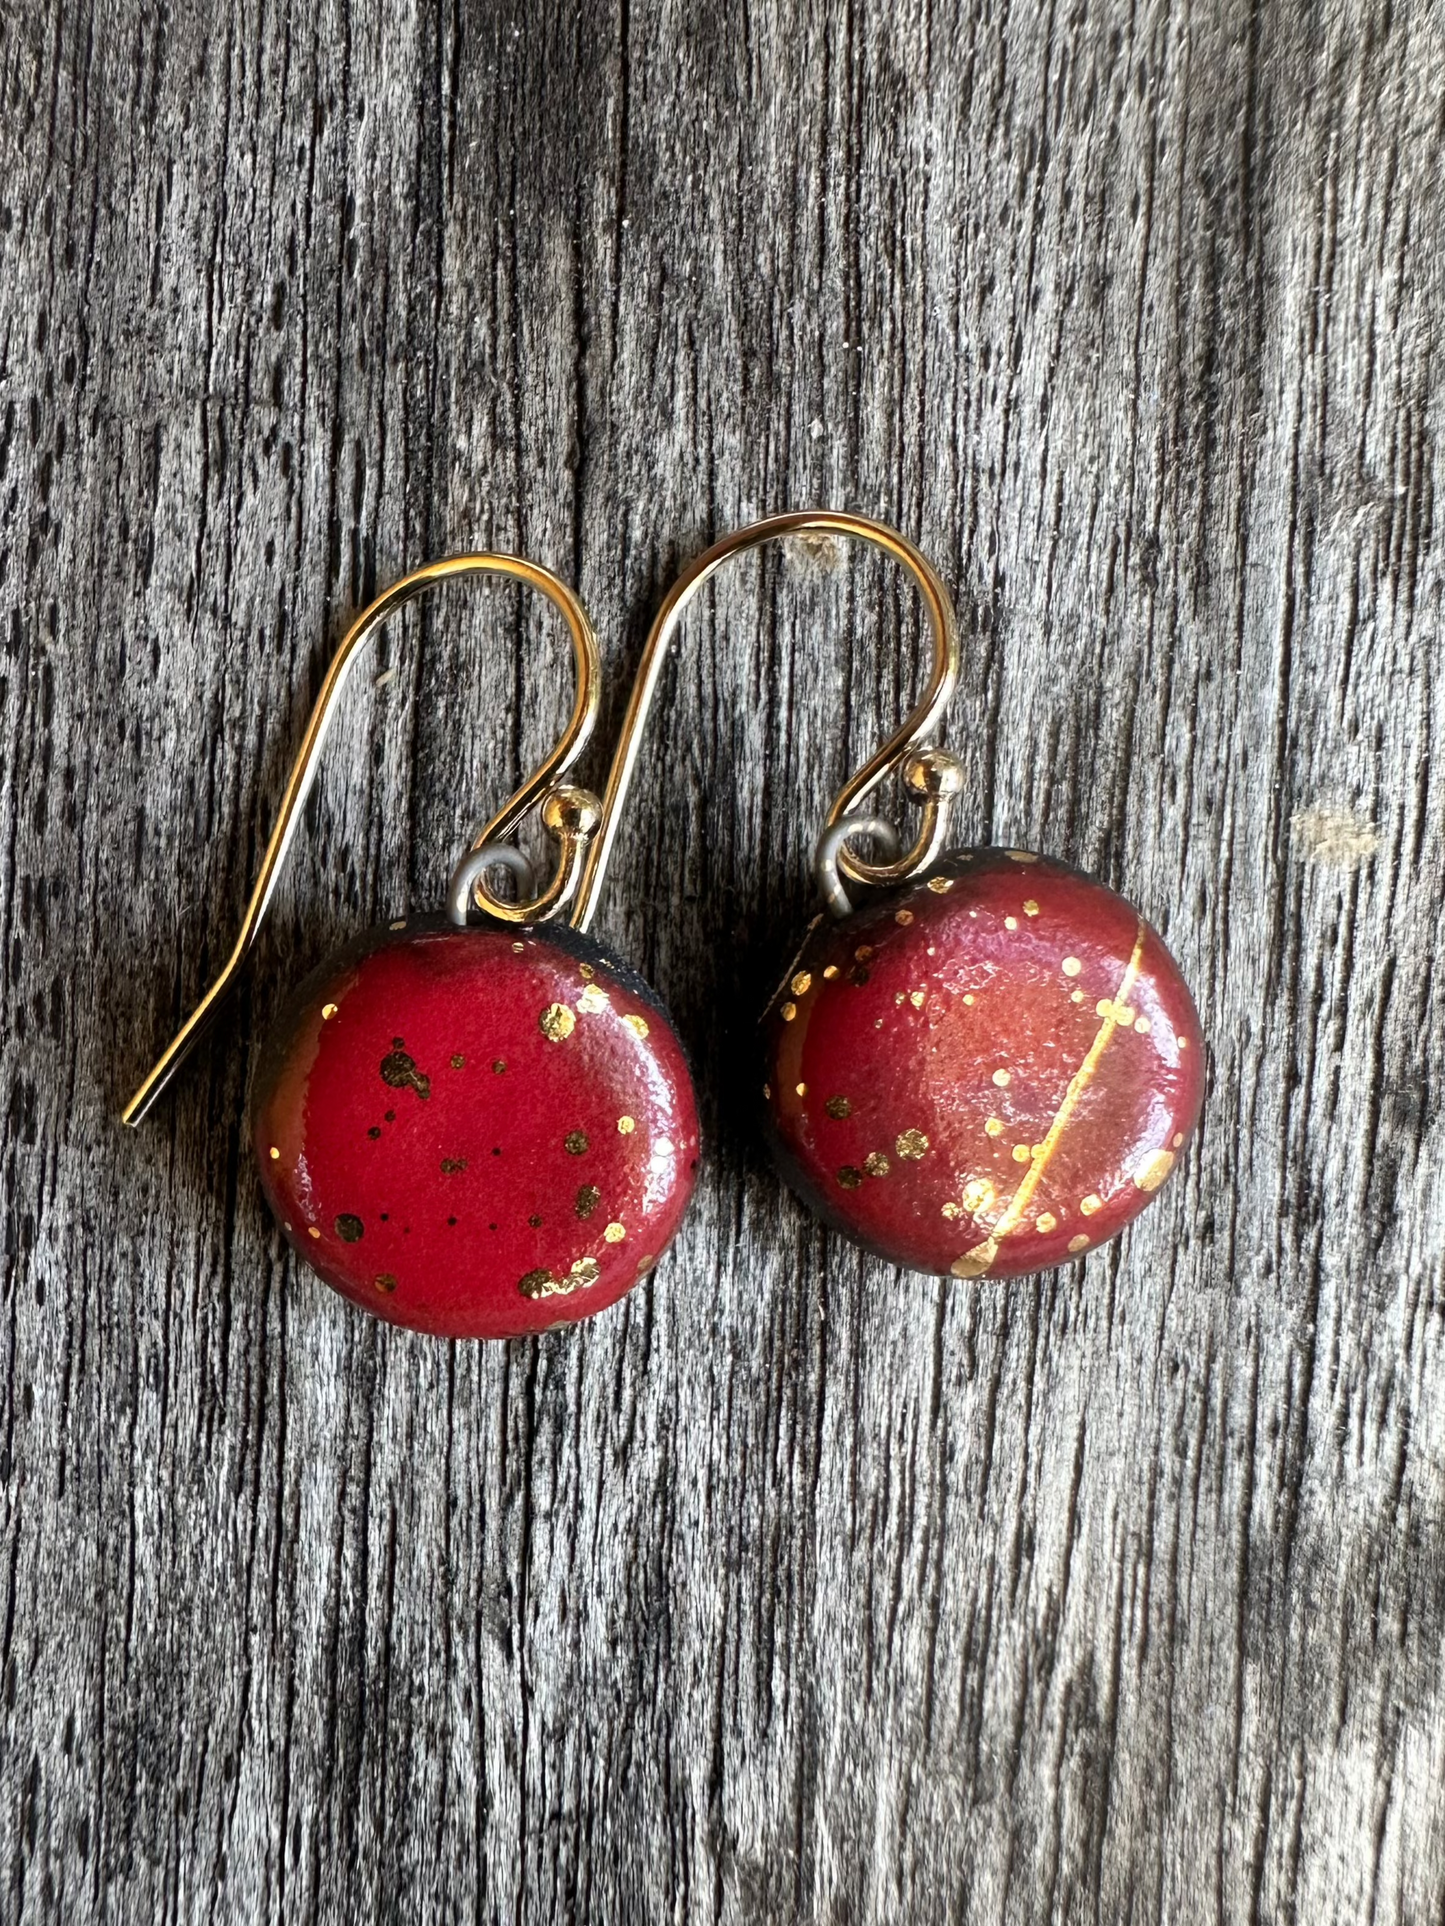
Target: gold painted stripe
point(975, 1262)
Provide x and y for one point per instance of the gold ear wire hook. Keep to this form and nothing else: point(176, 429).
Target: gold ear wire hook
point(931, 776)
point(568, 813)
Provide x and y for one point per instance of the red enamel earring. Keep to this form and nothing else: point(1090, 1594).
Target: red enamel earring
point(992, 1062)
point(475, 1130)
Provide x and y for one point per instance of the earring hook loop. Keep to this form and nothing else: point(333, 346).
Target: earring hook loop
point(571, 824)
point(931, 776)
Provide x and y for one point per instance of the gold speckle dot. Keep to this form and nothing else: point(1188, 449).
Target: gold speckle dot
point(499, 1066)
point(592, 999)
point(645, 1263)
point(978, 1194)
point(1088, 1205)
point(850, 1177)
point(311, 1231)
point(876, 1164)
point(862, 953)
point(1047, 1222)
point(838, 1108)
point(1002, 1079)
point(802, 1089)
point(915, 997)
point(969, 998)
point(905, 917)
point(940, 885)
point(1021, 1153)
point(458, 1061)
point(275, 1153)
point(994, 1127)
point(575, 1142)
point(1104, 1007)
point(557, 1022)
point(802, 983)
point(384, 1281)
point(586, 972)
point(1077, 997)
point(952, 1210)
point(588, 1198)
point(1126, 1016)
point(1142, 1026)
point(788, 1012)
point(1079, 1243)
point(1071, 966)
point(614, 1233)
point(1021, 855)
point(636, 1024)
point(399, 924)
point(1010, 922)
point(911, 1144)
point(1178, 1138)
point(349, 1228)
point(517, 948)
point(1031, 908)
point(626, 1126)
point(584, 1273)
point(328, 1010)
point(830, 972)
point(898, 1000)
point(767, 1093)
point(1183, 1042)
point(1154, 1169)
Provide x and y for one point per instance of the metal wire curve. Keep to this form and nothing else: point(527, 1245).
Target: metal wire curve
point(830, 847)
point(931, 776)
point(476, 863)
point(540, 787)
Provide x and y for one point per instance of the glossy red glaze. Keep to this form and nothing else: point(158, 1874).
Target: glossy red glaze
point(987, 1072)
point(477, 1133)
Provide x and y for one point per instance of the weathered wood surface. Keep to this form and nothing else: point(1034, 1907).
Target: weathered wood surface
point(793, 1589)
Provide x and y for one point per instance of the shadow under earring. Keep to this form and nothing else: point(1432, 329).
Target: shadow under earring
point(474, 1130)
point(993, 1062)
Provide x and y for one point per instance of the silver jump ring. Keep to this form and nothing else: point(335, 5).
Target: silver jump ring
point(476, 863)
point(830, 844)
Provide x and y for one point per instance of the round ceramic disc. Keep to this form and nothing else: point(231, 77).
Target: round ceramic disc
point(476, 1132)
point(987, 1072)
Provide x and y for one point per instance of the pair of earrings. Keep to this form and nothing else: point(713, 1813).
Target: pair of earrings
point(486, 1128)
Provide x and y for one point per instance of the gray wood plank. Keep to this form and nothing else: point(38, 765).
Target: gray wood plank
point(794, 1588)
